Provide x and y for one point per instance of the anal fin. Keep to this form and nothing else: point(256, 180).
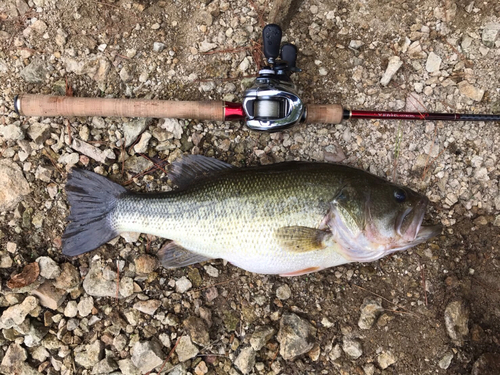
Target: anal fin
point(305, 271)
point(172, 255)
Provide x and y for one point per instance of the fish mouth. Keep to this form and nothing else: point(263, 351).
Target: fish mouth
point(416, 232)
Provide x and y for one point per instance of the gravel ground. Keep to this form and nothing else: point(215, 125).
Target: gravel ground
point(434, 309)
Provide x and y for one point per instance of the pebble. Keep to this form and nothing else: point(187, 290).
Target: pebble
point(456, 317)
point(197, 330)
point(15, 315)
point(50, 296)
point(12, 132)
point(490, 33)
point(91, 355)
point(85, 306)
point(125, 74)
point(48, 268)
point(13, 185)
point(147, 355)
point(433, 63)
point(97, 285)
point(392, 68)
point(145, 264)
point(385, 359)
point(356, 44)
point(127, 367)
point(105, 366)
point(40, 354)
point(245, 360)
point(143, 144)
point(147, 307)
point(371, 309)
point(183, 285)
point(445, 362)
point(185, 349)
point(352, 347)
point(173, 126)
point(69, 278)
point(92, 151)
point(158, 47)
point(283, 292)
point(132, 129)
point(15, 354)
point(486, 364)
point(211, 271)
point(260, 337)
point(296, 336)
point(470, 91)
point(34, 72)
point(71, 309)
point(206, 46)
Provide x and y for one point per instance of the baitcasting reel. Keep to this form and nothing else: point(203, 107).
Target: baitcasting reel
point(272, 103)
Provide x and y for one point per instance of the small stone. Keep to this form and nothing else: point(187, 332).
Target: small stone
point(283, 292)
point(445, 362)
point(314, 353)
point(183, 285)
point(147, 307)
point(392, 68)
point(36, 333)
point(12, 132)
point(433, 63)
point(142, 146)
point(245, 360)
point(487, 364)
point(50, 296)
point(158, 47)
point(145, 264)
point(352, 347)
point(173, 126)
point(127, 367)
point(48, 268)
point(5, 260)
point(13, 185)
point(490, 33)
point(371, 309)
point(211, 271)
point(130, 52)
point(71, 309)
point(34, 72)
point(206, 46)
point(456, 317)
point(296, 336)
point(147, 355)
point(15, 354)
point(137, 164)
point(322, 71)
point(92, 151)
point(470, 91)
point(355, 44)
point(244, 65)
point(40, 354)
point(125, 74)
point(85, 306)
point(197, 330)
point(369, 369)
point(201, 368)
point(92, 354)
point(260, 337)
point(385, 359)
point(105, 366)
point(69, 278)
point(15, 315)
point(185, 349)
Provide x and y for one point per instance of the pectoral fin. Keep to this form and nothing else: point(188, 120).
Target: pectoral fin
point(172, 255)
point(302, 239)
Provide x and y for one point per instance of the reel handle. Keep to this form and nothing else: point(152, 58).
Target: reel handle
point(271, 35)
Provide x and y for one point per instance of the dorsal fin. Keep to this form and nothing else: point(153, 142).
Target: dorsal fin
point(194, 168)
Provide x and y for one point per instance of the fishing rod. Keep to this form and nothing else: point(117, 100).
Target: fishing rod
point(271, 104)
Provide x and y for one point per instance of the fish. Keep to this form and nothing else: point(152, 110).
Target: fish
point(289, 218)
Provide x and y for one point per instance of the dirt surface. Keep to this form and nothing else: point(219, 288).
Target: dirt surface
point(450, 54)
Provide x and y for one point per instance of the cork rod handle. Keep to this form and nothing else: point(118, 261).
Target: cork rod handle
point(45, 105)
point(324, 114)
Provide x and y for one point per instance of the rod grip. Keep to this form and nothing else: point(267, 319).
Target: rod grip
point(324, 113)
point(46, 105)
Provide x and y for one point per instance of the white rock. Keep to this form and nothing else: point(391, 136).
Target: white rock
point(183, 285)
point(245, 360)
point(470, 91)
point(394, 64)
point(352, 347)
point(13, 185)
point(283, 292)
point(206, 46)
point(211, 271)
point(71, 309)
point(433, 63)
point(85, 306)
point(385, 359)
point(445, 362)
point(16, 314)
point(490, 33)
point(185, 349)
point(158, 47)
point(48, 268)
point(12, 132)
point(173, 126)
point(147, 355)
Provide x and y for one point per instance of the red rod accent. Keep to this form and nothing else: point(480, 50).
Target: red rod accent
point(405, 115)
point(233, 111)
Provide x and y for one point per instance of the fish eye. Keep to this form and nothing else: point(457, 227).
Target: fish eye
point(400, 195)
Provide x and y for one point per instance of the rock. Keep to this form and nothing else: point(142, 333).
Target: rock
point(158, 47)
point(211, 271)
point(183, 285)
point(39, 133)
point(197, 330)
point(296, 336)
point(352, 347)
point(43, 174)
point(445, 362)
point(385, 359)
point(15, 354)
point(97, 284)
point(34, 72)
point(127, 367)
point(132, 129)
point(142, 145)
point(185, 349)
point(206, 46)
point(16, 314)
point(433, 63)
point(92, 151)
point(245, 360)
point(5, 260)
point(138, 164)
point(85, 306)
point(48, 268)
point(369, 369)
point(394, 64)
point(92, 354)
point(13, 185)
point(69, 159)
point(40, 354)
point(36, 333)
point(201, 368)
point(50, 296)
point(371, 309)
point(456, 317)
point(470, 91)
point(69, 278)
point(173, 126)
point(28, 277)
point(283, 292)
point(71, 309)
point(244, 65)
point(125, 74)
point(12, 132)
point(105, 366)
point(260, 337)
point(356, 44)
point(147, 355)
point(147, 307)
point(145, 264)
point(490, 33)
point(487, 364)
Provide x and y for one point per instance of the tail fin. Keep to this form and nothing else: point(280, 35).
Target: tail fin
point(92, 198)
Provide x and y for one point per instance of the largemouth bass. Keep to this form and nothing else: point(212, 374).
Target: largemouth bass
point(289, 218)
